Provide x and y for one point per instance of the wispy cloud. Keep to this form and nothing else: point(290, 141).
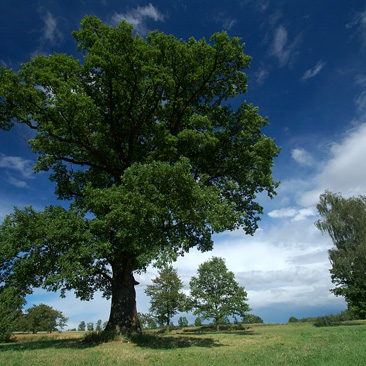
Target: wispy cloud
point(360, 79)
point(259, 5)
point(139, 16)
point(261, 75)
point(284, 51)
point(358, 23)
point(310, 73)
point(361, 104)
point(16, 182)
point(17, 164)
point(50, 31)
point(226, 22)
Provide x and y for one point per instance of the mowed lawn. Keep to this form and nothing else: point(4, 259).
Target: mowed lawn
point(287, 344)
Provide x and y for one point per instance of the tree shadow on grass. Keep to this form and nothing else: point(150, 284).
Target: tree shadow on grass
point(44, 344)
point(171, 342)
point(243, 331)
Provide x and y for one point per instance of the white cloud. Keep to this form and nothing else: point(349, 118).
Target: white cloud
point(294, 214)
point(309, 74)
point(281, 49)
point(138, 17)
point(283, 212)
point(18, 164)
point(345, 171)
point(302, 157)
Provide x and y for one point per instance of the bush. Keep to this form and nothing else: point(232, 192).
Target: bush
point(293, 320)
point(100, 337)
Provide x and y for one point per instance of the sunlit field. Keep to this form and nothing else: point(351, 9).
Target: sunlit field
point(262, 344)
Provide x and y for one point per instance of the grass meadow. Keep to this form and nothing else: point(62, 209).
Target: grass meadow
point(258, 344)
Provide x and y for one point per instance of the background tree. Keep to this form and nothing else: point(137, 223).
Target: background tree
point(345, 222)
point(139, 135)
point(215, 294)
point(98, 327)
point(90, 327)
point(11, 303)
point(44, 318)
point(82, 326)
point(182, 322)
point(198, 322)
point(147, 320)
point(167, 298)
point(252, 319)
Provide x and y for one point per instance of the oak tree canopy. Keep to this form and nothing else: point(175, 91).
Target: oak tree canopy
point(142, 137)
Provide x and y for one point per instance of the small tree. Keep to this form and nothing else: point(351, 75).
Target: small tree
point(345, 221)
point(182, 322)
point(90, 327)
point(98, 327)
point(166, 296)
point(198, 322)
point(82, 326)
point(44, 318)
point(11, 303)
point(215, 293)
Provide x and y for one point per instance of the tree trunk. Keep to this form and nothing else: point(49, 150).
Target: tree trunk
point(123, 316)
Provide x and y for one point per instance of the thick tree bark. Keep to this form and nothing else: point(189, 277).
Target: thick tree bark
point(123, 318)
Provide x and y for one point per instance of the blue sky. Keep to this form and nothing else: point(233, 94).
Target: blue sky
point(308, 75)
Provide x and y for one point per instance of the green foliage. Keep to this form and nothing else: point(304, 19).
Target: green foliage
point(215, 293)
point(252, 319)
point(166, 295)
point(182, 322)
point(82, 326)
point(147, 320)
point(11, 303)
point(43, 318)
point(139, 135)
point(328, 320)
point(345, 221)
point(198, 322)
point(90, 327)
point(98, 327)
point(100, 337)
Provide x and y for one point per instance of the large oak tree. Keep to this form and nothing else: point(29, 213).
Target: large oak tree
point(139, 134)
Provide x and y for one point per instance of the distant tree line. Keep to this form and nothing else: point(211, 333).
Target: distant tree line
point(327, 320)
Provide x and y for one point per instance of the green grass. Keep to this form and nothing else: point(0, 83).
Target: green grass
point(288, 344)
